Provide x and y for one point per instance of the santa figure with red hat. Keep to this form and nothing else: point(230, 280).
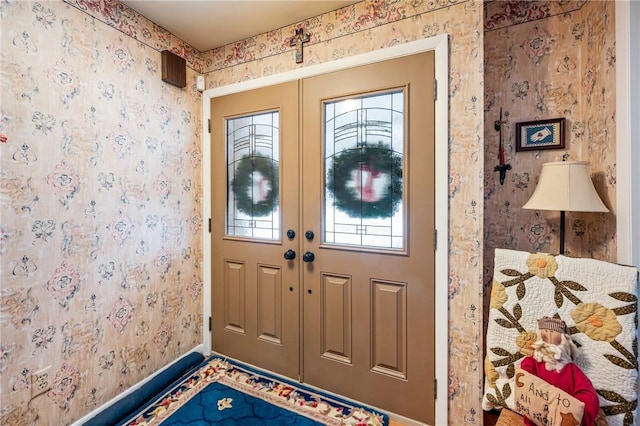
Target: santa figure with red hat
point(552, 361)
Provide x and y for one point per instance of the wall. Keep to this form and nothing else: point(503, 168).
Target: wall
point(371, 25)
point(135, 109)
point(100, 200)
point(547, 60)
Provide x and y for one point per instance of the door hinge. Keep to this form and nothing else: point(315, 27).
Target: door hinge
point(209, 323)
point(209, 225)
point(435, 388)
point(435, 239)
point(209, 125)
point(435, 90)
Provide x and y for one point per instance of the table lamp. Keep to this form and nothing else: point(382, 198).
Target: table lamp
point(565, 186)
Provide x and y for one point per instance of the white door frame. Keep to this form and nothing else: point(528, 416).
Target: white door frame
point(439, 44)
point(627, 153)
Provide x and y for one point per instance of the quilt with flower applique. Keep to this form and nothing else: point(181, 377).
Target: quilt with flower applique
point(598, 302)
point(229, 393)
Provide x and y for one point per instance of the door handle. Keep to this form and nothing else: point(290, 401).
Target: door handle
point(308, 257)
point(309, 235)
point(289, 254)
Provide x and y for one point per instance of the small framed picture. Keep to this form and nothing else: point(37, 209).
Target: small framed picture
point(540, 134)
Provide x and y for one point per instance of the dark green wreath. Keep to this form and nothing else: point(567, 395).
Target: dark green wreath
point(380, 158)
point(243, 179)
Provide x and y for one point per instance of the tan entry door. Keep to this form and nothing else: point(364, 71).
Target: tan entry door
point(255, 185)
point(357, 300)
point(368, 196)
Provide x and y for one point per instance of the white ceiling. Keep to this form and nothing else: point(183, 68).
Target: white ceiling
point(207, 24)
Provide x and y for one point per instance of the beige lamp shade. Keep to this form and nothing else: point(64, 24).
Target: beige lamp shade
point(565, 186)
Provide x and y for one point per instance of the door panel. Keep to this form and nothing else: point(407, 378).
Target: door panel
point(389, 329)
point(255, 291)
point(368, 293)
point(235, 300)
point(336, 318)
point(269, 304)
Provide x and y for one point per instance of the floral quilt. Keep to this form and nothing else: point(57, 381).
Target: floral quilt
point(598, 302)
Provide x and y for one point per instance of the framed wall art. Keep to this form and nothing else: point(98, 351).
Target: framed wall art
point(540, 134)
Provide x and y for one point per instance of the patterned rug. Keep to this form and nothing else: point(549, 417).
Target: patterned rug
point(223, 393)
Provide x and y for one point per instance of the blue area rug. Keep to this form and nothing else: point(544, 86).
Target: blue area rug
point(225, 393)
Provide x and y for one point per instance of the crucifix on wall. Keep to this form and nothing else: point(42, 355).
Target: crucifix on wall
point(298, 40)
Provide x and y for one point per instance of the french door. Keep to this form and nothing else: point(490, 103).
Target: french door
point(255, 185)
point(323, 232)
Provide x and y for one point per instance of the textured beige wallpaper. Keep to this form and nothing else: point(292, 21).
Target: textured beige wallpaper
point(367, 26)
point(371, 25)
point(550, 60)
point(100, 204)
point(101, 189)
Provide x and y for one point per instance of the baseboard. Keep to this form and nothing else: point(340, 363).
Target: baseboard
point(133, 388)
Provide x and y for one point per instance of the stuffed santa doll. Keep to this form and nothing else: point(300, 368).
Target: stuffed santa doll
point(552, 361)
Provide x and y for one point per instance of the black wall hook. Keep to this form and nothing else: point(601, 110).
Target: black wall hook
point(502, 167)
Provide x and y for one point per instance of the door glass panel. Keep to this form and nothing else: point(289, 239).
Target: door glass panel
point(253, 144)
point(364, 162)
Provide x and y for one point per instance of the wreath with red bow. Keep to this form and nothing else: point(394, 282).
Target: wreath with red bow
point(351, 180)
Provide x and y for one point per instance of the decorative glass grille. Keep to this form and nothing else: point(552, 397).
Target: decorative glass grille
point(253, 145)
point(364, 164)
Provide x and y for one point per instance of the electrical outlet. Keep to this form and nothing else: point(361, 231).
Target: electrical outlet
point(40, 381)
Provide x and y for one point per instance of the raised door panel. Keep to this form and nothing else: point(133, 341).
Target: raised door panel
point(336, 320)
point(270, 304)
point(389, 328)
